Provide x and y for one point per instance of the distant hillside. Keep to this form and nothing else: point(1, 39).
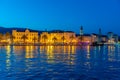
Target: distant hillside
point(3, 30)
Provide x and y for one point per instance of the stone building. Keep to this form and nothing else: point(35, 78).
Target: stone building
point(26, 36)
point(58, 37)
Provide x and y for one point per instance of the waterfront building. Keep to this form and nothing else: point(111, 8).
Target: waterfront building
point(94, 37)
point(86, 38)
point(26, 36)
point(5, 38)
point(83, 38)
point(111, 39)
point(115, 38)
point(58, 37)
point(103, 38)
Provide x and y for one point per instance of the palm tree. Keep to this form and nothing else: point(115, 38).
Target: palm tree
point(63, 39)
point(1, 36)
point(71, 38)
point(34, 39)
point(54, 39)
point(24, 37)
point(44, 38)
point(7, 35)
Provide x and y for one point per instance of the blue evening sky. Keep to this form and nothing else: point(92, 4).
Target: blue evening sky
point(62, 14)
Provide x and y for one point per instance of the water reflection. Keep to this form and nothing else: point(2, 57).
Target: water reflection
point(18, 49)
point(88, 52)
point(60, 62)
point(111, 53)
point(50, 54)
point(29, 52)
point(58, 52)
point(8, 54)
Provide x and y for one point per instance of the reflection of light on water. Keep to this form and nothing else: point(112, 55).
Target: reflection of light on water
point(29, 52)
point(8, 62)
point(88, 52)
point(51, 51)
point(42, 49)
point(95, 50)
point(69, 49)
point(54, 62)
point(50, 54)
point(8, 49)
point(71, 56)
point(73, 49)
point(99, 48)
point(18, 49)
point(88, 65)
point(88, 49)
point(119, 51)
point(111, 53)
point(111, 48)
point(65, 49)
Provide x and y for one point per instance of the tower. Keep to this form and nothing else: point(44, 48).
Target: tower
point(81, 30)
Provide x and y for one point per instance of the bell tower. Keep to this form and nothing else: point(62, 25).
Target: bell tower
point(81, 30)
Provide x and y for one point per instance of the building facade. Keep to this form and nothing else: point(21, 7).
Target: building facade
point(58, 37)
point(24, 36)
point(112, 38)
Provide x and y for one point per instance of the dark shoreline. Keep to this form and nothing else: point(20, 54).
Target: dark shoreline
point(52, 45)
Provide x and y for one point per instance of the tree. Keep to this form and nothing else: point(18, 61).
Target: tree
point(44, 38)
point(24, 37)
point(54, 39)
point(63, 39)
point(7, 35)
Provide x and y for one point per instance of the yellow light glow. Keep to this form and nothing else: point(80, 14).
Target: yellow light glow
point(50, 54)
point(88, 49)
point(73, 49)
point(88, 52)
point(8, 62)
point(29, 52)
